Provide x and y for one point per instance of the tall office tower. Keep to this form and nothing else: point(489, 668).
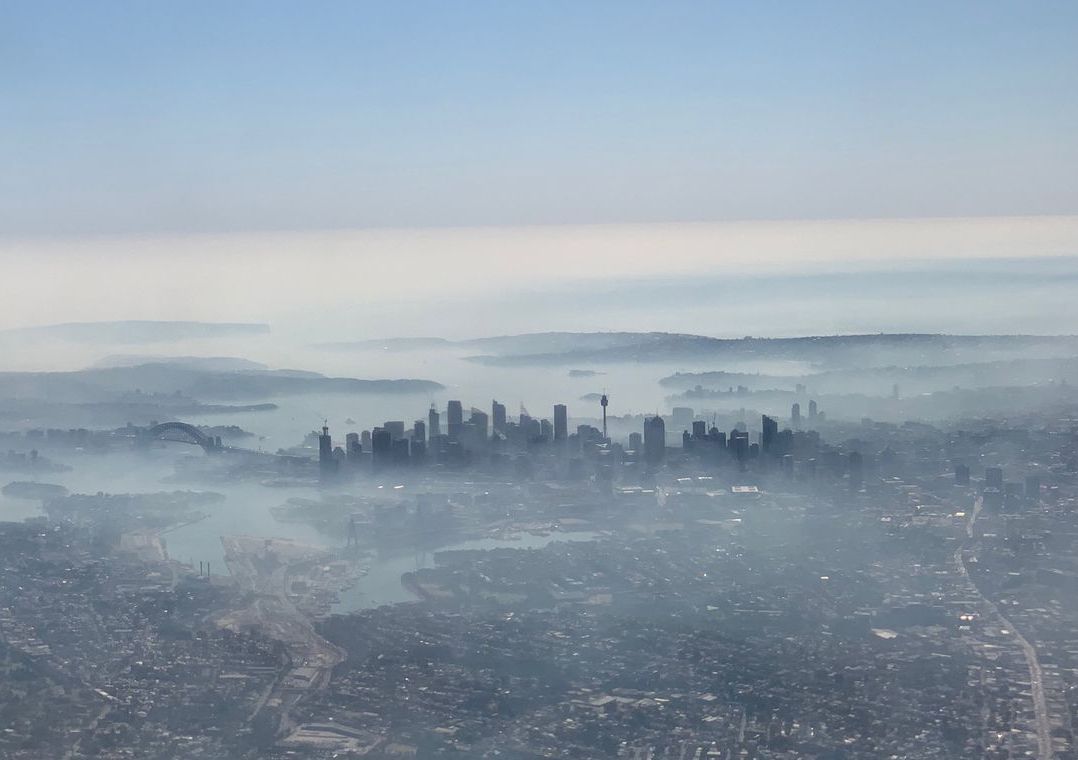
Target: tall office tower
point(699, 429)
point(857, 469)
point(604, 402)
point(812, 411)
point(654, 439)
point(993, 477)
point(739, 444)
point(400, 452)
point(381, 447)
point(795, 415)
point(352, 448)
point(561, 422)
point(433, 423)
point(531, 427)
point(546, 430)
point(770, 431)
point(636, 441)
point(395, 428)
point(454, 414)
point(419, 431)
point(481, 423)
point(497, 416)
point(365, 440)
point(327, 465)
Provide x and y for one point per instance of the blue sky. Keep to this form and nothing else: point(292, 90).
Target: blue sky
point(235, 116)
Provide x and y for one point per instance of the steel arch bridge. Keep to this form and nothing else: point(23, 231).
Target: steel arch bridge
point(190, 432)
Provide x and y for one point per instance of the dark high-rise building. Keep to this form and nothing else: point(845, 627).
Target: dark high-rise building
point(454, 414)
point(812, 411)
point(434, 428)
point(546, 429)
point(395, 428)
point(327, 464)
point(352, 448)
point(530, 427)
point(795, 415)
point(993, 478)
point(636, 441)
point(739, 444)
point(604, 402)
point(381, 447)
point(654, 439)
point(419, 431)
point(783, 443)
point(699, 430)
point(561, 422)
point(497, 416)
point(400, 451)
point(481, 423)
point(770, 431)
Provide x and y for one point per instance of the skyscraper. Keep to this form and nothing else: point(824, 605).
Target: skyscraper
point(434, 428)
point(654, 439)
point(604, 402)
point(381, 447)
point(497, 416)
point(795, 415)
point(481, 423)
point(770, 431)
point(454, 419)
point(812, 411)
point(353, 449)
point(327, 465)
point(561, 422)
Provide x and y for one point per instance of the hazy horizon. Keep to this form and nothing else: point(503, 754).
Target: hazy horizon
point(985, 275)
